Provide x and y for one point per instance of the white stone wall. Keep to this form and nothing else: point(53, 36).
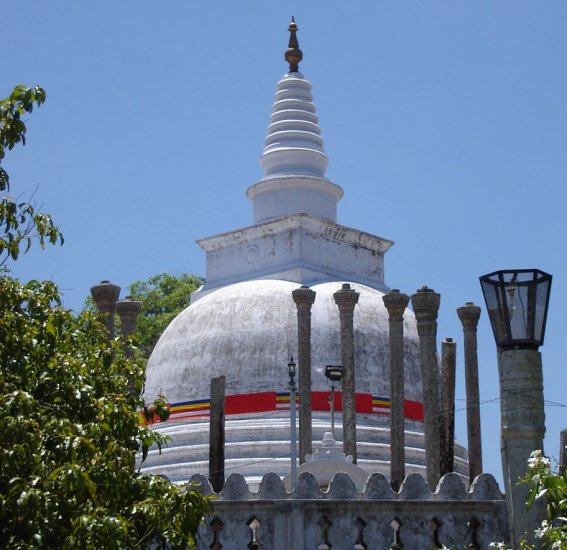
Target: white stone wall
point(342, 518)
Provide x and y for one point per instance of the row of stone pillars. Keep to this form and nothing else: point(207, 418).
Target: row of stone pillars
point(105, 296)
point(346, 299)
point(438, 385)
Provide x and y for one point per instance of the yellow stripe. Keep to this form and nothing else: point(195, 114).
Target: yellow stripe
point(191, 407)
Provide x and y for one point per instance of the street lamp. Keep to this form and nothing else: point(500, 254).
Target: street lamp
point(517, 301)
point(334, 373)
point(292, 371)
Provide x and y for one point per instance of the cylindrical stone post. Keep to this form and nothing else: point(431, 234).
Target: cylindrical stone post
point(523, 430)
point(425, 306)
point(128, 310)
point(105, 295)
point(563, 452)
point(216, 433)
point(448, 368)
point(396, 304)
point(346, 299)
point(469, 315)
point(304, 298)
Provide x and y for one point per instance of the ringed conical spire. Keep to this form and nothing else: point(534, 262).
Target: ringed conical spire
point(293, 55)
point(294, 159)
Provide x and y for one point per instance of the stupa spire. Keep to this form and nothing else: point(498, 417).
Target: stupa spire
point(293, 54)
point(294, 159)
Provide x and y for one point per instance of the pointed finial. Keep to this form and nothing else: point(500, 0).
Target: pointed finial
point(293, 54)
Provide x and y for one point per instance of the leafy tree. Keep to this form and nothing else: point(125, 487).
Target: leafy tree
point(69, 401)
point(20, 222)
point(163, 297)
point(69, 434)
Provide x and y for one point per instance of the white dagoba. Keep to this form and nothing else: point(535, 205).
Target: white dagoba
point(243, 322)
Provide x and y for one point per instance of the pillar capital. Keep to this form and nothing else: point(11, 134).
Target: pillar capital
point(303, 296)
point(396, 303)
point(105, 295)
point(346, 298)
point(425, 304)
point(128, 307)
point(469, 315)
point(128, 310)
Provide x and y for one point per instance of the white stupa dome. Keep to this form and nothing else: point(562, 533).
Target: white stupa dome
point(248, 331)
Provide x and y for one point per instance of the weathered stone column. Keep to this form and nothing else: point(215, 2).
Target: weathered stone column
point(425, 306)
point(523, 429)
point(346, 299)
point(304, 298)
point(396, 304)
point(216, 433)
point(563, 451)
point(469, 315)
point(128, 310)
point(448, 368)
point(105, 295)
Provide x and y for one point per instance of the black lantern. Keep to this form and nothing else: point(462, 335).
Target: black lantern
point(291, 368)
point(517, 301)
point(334, 372)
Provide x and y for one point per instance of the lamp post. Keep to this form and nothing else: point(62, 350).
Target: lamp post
point(517, 302)
point(334, 373)
point(292, 370)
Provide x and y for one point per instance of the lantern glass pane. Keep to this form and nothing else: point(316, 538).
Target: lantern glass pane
point(517, 306)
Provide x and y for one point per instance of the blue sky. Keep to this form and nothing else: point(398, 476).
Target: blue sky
point(445, 123)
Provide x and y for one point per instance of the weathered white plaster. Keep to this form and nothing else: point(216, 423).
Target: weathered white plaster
point(248, 331)
point(299, 248)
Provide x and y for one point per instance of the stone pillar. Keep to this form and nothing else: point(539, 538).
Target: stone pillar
point(304, 298)
point(105, 295)
point(346, 299)
point(396, 304)
point(563, 452)
point(128, 310)
point(469, 315)
point(425, 306)
point(448, 368)
point(216, 433)
point(523, 430)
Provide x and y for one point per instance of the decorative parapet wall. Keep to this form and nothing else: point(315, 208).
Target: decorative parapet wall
point(342, 518)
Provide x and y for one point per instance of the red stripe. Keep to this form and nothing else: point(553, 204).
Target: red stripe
point(320, 401)
point(250, 402)
point(413, 410)
point(266, 402)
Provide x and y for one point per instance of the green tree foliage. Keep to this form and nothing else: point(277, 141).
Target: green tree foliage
point(69, 434)
point(69, 400)
point(20, 222)
point(163, 297)
point(543, 482)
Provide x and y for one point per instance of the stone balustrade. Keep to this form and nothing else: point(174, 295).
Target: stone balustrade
point(341, 517)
